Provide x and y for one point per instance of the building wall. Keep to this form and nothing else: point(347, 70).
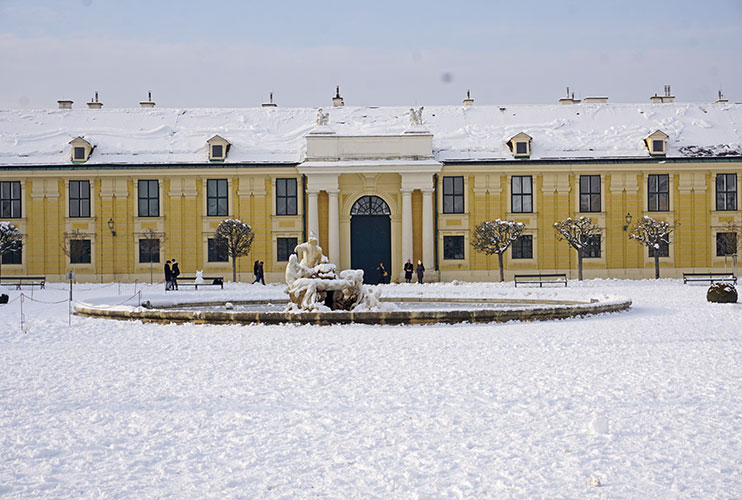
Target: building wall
point(45, 217)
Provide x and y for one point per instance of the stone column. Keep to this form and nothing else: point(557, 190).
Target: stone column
point(333, 227)
point(428, 229)
point(313, 214)
point(406, 224)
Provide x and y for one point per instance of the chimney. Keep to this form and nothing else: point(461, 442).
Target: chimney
point(468, 101)
point(148, 103)
point(65, 104)
point(270, 104)
point(569, 99)
point(595, 100)
point(94, 103)
point(721, 97)
point(337, 100)
point(667, 98)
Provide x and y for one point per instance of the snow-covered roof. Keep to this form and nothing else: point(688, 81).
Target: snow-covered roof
point(277, 135)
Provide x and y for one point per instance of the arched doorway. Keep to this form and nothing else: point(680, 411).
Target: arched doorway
point(370, 237)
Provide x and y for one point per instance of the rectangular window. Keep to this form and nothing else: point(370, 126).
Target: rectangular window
point(216, 198)
point(10, 199)
point(216, 151)
point(658, 146)
point(592, 250)
point(80, 252)
point(285, 247)
point(218, 250)
point(662, 251)
point(149, 198)
point(523, 247)
point(726, 191)
point(149, 250)
point(726, 244)
point(79, 198)
point(453, 195)
point(521, 194)
point(79, 153)
point(589, 193)
point(658, 189)
point(521, 148)
point(453, 247)
point(13, 257)
point(286, 197)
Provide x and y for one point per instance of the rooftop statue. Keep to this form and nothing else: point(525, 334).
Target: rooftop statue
point(416, 117)
point(323, 118)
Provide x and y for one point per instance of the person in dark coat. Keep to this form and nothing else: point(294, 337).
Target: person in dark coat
point(256, 271)
point(168, 276)
point(175, 272)
point(420, 271)
point(408, 268)
point(382, 273)
point(261, 273)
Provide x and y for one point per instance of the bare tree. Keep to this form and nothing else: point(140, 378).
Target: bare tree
point(74, 252)
point(237, 237)
point(653, 234)
point(577, 233)
point(727, 242)
point(150, 242)
point(495, 237)
point(10, 240)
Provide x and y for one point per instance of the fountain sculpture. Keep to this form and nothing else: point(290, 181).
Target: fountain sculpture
point(314, 284)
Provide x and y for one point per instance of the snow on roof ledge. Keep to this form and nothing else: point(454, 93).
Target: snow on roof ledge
point(278, 135)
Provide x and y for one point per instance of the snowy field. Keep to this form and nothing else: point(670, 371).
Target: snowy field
point(647, 402)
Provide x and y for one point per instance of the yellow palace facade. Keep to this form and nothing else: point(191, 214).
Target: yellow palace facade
point(112, 193)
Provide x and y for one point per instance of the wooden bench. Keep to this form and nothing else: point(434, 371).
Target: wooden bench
point(19, 281)
point(709, 277)
point(208, 281)
point(540, 279)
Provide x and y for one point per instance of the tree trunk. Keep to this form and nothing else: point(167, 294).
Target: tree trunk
point(656, 264)
point(234, 269)
point(579, 264)
point(502, 272)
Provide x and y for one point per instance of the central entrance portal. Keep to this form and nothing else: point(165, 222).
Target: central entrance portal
point(370, 237)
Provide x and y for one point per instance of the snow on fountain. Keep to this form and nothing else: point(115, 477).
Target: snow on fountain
point(314, 285)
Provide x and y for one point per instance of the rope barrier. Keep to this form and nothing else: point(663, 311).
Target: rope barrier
point(43, 301)
point(138, 294)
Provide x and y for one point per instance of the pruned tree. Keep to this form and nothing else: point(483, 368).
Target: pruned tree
point(150, 243)
point(75, 252)
point(495, 237)
point(577, 233)
point(236, 236)
point(10, 240)
point(653, 234)
point(727, 242)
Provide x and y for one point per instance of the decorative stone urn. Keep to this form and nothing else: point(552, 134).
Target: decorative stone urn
point(314, 285)
point(722, 292)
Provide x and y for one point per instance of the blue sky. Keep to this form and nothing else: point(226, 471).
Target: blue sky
point(232, 53)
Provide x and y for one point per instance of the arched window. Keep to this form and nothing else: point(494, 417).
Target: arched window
point(370, 205)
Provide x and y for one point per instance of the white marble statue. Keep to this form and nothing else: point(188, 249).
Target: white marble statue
point(323, 118)
point(416, 117)
point(314, 285)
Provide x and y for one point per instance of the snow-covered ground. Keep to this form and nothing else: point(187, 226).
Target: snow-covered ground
point(647, 402)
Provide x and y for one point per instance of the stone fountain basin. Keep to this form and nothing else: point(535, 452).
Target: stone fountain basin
point(409, 310)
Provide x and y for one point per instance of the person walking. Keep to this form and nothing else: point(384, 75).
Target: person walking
point(175, 272)
point(408, 268)
point(168, 276)
point(382, 273)
point(261, 273)
point(256, 271)
point(420, 271)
